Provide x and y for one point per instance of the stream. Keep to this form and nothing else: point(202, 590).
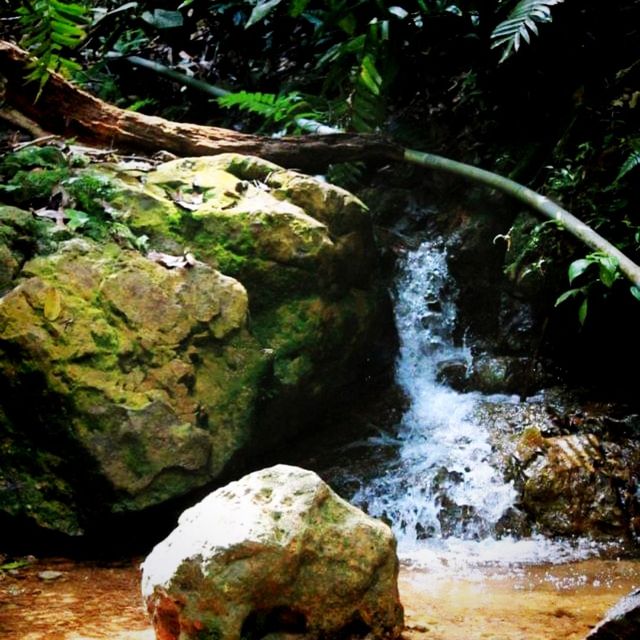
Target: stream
point(440, 488)
point(468, 569)
point(438, 479)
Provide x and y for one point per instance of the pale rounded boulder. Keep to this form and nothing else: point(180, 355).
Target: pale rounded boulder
point(275, 552)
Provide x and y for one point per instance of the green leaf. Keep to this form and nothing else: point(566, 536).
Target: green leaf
point(163, 19)
point(635, 292)
point(370, 76)
point(17, 564)
point(608, 270)
point(337, 51)
point(66, 41)
point(261, 11)
point(578, 267)
point(69, 8)
point(384, 30)
point(273, 108)
point(630, 163)
point(52, 304)
point(139, 104)
point(571, 293)
point(582, 311)
point(77, 219)
point(50, 27)
point(141, 242)
point(348, 24)
point(520, 23)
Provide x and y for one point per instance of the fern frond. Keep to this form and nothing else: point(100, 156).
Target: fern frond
point(630, 163)
point(521, 23)
point(254, 102)
point(367, 99)
point(347, 175)
point(50, 27)
point(281, 110)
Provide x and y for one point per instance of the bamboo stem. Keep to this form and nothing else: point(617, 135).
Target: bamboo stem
point(536, 201)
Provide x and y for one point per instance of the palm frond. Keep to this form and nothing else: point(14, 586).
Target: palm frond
point(521, 23)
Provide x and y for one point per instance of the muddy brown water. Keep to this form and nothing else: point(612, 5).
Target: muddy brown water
point(91, 601)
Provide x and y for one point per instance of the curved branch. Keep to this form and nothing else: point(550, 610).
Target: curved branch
point(536, 201)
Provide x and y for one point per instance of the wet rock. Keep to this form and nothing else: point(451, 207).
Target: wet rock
point(622, 621)
point(454, 373)
point(475, 262)
point(513, 523)
point(578, 484)
point(275, 553)
point(570, 480)
point(494, 374)
point(504, 374)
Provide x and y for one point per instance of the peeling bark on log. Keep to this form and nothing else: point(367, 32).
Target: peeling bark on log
point(68, 111)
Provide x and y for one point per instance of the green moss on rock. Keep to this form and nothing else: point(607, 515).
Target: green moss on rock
point(82, 315)
point(21, 236)
point(32, 157)
point(146, 382)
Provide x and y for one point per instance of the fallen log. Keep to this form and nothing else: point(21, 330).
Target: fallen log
point(64, 109)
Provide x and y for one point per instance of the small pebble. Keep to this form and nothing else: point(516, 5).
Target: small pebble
point(50, 575)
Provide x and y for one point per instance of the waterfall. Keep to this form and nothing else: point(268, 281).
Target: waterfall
point(441, 490)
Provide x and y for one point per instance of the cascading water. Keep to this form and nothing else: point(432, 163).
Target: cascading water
point(443, 482)
point(441, 489)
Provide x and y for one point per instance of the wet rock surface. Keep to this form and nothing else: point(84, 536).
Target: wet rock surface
point(275, 552)
point(622, 621)
point(495, 374)
point(575, 467)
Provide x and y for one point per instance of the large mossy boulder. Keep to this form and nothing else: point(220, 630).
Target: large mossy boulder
point(277, 552)
point(280, 232)
point(130, 379)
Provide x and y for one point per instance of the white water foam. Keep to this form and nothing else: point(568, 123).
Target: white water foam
point(443, 493)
